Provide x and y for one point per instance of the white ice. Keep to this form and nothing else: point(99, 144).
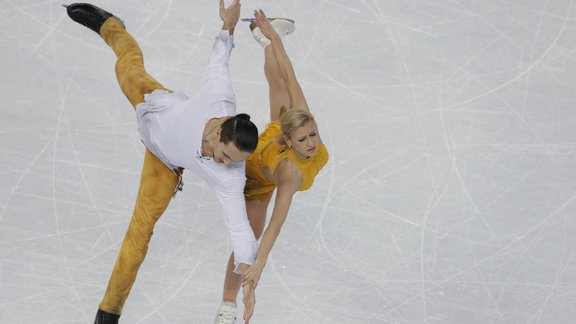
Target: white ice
point(450, 195)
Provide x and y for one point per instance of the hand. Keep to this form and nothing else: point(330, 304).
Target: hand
point(249, 300)
point(230, 15)
point(264, 24)
point(252, 274)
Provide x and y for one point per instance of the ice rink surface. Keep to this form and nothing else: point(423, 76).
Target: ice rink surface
point(449, 197)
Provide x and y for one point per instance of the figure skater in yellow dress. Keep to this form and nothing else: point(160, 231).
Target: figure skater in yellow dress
point(289, 155)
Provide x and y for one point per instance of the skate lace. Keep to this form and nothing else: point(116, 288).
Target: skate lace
point(227, 314)
point(260, 38)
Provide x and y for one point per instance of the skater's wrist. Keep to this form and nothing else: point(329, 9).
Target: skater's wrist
point(229, 27)
point(243, 267)
point(259, 262)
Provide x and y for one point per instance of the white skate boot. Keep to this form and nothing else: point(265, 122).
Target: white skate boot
point(226, 313)
point(282, 26)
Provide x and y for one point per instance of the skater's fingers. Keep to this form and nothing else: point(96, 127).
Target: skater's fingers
point(247, 315)
point(260, 19)
point(221, 4)
point(247, 281)
point(249, 303)
point(256, 15)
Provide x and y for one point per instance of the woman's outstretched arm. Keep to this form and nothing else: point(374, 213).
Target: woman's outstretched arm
point(288, 178)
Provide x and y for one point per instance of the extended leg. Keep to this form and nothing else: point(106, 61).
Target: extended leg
point(134, 81)
point(278, 92)
point(157, 182)
point(157, 185)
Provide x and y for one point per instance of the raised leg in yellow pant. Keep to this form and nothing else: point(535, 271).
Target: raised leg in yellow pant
point(157, 182)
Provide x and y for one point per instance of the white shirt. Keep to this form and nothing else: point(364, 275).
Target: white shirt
point(171, 127)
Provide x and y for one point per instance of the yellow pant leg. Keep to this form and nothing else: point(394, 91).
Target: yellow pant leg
point(157, 182)
point(157, 185)
point(134, 81)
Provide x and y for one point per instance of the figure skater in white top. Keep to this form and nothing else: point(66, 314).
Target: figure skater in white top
point(201, 133)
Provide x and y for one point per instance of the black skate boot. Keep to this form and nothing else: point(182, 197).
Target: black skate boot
point(88, 15)
point(103, 317)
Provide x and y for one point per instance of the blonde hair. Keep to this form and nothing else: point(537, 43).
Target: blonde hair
point(290, 120)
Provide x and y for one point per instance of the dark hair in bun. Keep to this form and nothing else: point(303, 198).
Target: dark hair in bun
point(240, 130)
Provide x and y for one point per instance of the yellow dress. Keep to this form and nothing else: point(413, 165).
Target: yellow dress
point(269, 154)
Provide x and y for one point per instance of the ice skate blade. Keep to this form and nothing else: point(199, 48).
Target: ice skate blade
point(253, 19)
